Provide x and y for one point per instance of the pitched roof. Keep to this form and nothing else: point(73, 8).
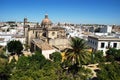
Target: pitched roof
point(42, 44)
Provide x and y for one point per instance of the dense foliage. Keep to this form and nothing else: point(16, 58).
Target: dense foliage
point(36, 67)
point(109, 71)
point(14, 47)
point(97, 57)
point(113, 54)
point(56, 57)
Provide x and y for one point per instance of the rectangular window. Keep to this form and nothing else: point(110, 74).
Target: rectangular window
point(102, 45)
point(114, 45)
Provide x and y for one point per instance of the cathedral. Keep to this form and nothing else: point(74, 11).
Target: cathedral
point(45, 36)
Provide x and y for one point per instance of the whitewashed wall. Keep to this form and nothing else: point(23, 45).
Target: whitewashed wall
point(46, 53)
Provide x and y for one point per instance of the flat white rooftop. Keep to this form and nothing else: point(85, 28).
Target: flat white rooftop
point(105, 38)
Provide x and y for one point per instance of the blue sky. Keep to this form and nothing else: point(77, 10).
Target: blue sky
point(71, 11)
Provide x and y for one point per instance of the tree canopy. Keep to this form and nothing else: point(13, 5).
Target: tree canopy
point(97, 57)
point(56, 57)
point(109, 71)
point(37, 67)
point(113, 54)
point(14, 47)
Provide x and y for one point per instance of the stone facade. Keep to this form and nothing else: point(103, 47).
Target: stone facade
point(45, 30)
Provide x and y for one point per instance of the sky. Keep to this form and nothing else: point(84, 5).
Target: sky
point(69, 11)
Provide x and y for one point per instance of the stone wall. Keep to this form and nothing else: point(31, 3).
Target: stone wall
point(59, 43)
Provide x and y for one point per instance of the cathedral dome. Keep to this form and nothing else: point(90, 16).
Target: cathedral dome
point(46, 21)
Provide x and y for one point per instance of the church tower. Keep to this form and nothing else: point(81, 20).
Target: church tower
point(26, 26)
point(25, 21)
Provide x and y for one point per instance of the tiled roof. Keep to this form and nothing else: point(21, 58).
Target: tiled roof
point(42, 45)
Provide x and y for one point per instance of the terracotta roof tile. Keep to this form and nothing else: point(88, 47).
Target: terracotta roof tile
point(42, 45)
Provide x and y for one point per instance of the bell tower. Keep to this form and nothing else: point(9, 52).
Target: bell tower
point(25, 21)
point(26, 26)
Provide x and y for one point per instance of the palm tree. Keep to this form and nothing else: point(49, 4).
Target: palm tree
point(77, 53)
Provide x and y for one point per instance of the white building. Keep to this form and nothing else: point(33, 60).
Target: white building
point(5, 38)
point(106, 29)
point(101, 30)
point(103, 43)
point(19, 38)
point(2, 42)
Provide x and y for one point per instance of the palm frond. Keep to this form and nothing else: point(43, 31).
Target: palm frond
point(77, 51)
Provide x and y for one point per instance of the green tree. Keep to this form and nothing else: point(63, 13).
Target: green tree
point(111, 51)
point(36, 67)
point(56, 57)
point(109, 71)
point(98, 57)
point(27, 68)
point(117, 57)
point(113, 54)
point(14, 47)
point(5, 69)
point(76, 54)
